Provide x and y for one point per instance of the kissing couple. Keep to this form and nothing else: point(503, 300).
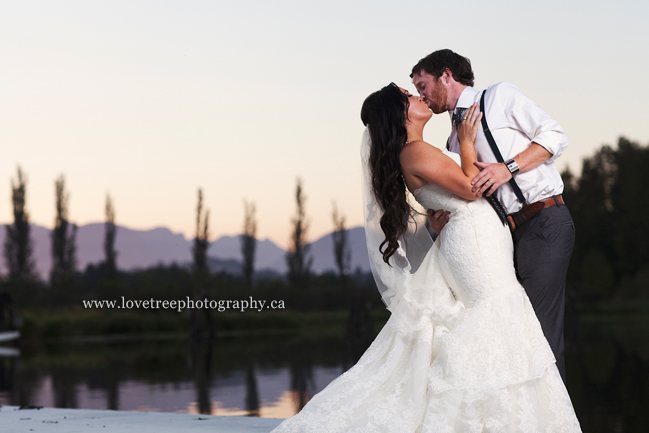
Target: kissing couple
point(474, 342)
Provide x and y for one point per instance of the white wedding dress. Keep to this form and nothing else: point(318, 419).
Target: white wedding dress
point(462, 351)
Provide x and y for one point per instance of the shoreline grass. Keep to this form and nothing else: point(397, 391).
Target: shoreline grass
point(74, 325)
point(80, 325)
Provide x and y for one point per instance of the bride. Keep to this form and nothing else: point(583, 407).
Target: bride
point(463, 350)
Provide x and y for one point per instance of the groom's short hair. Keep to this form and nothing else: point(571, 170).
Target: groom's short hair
point(436, 63)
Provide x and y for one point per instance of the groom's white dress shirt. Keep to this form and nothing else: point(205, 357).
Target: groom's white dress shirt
point(515, 122)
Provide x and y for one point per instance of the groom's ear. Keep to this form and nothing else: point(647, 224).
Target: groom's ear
point(447, 75)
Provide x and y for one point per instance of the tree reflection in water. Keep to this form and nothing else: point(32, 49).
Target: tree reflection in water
point(608, 378)
point(301, 379)
point(252, 393)
point(65, 387)
point(607, 370)
point(112, 390)
point(202, 368)
point(360, 327)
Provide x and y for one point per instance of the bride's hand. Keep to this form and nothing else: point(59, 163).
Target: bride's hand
point(468, 129)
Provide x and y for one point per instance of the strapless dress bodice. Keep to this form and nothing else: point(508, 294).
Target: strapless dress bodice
point(477, 245)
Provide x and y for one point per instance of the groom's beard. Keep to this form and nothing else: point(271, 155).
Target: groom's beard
point(439, 99)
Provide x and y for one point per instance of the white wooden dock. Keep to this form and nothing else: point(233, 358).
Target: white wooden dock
point(52, 420)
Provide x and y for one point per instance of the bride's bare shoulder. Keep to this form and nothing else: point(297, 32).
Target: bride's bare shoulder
point(417, 151)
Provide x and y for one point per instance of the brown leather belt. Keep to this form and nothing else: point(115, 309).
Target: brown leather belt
point(517, 219)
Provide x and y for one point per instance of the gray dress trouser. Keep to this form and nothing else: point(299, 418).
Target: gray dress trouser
point(542, 249)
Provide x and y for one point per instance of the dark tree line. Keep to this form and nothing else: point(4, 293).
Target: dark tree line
point(297, 259)
point(360, 329)
point(109, 240)
point(201, 240)
point(607, 201)
point(63, 239)
point(610, 261)
point(18, 247)
point(249, 241)
point(68, 286)
point(342, 251)
point(202, 325)
point(22, 280)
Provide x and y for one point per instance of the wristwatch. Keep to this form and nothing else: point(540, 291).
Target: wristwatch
point(512, 167)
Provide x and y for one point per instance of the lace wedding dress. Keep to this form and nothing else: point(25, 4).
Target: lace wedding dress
point(462, 351)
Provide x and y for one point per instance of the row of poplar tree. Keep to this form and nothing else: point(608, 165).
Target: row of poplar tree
point(297, 257)
point(18, 248)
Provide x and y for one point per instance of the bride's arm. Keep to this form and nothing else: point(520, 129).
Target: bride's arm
point(466, 134)
point(421, 160)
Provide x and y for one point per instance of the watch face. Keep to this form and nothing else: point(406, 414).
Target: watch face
point(512, 167)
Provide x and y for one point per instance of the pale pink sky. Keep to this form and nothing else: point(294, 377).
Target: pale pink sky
point(151, 100)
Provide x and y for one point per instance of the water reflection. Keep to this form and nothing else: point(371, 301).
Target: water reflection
point(252, 394)
point(607, 365)
point(608, 377)
point(202, 368)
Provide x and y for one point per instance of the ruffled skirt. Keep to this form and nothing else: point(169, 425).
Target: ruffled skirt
point(439, 367)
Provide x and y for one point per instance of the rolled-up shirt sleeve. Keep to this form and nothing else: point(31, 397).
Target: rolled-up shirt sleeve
point(526, 116)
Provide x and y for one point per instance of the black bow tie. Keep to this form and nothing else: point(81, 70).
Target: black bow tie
point(457, 116)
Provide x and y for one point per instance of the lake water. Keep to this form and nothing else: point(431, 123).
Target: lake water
point(607, 368)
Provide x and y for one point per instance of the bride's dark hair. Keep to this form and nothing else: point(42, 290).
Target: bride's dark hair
point(384, 114)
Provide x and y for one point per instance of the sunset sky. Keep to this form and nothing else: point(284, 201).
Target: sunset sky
point(150, 100)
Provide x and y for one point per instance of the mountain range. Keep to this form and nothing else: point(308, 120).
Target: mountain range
point(138, 249)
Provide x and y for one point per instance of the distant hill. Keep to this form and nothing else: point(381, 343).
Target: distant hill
point(270, 256)
point(139, 249)
point(323, 255)
point(267, 255)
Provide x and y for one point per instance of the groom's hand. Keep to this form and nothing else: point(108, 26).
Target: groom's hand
point(438, 219)
point(492, 176)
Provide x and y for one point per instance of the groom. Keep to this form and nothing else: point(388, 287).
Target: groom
point(529, 140)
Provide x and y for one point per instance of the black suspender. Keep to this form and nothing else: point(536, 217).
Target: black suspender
point(496, 151)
